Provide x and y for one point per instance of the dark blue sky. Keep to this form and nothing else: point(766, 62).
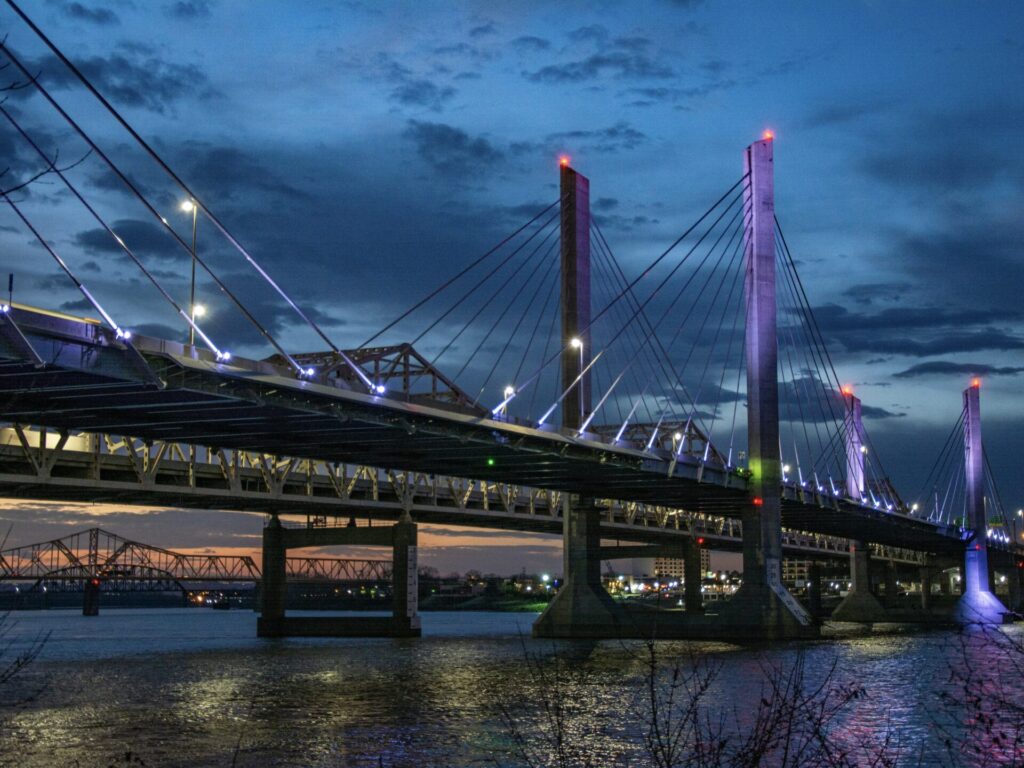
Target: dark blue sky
point(362, 151)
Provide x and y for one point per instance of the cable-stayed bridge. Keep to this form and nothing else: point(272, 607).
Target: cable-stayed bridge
point(700, 389)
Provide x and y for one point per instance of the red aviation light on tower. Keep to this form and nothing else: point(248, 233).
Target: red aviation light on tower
point(768, 135)
point(847, 389)
point(976, 383)
point(563, 161)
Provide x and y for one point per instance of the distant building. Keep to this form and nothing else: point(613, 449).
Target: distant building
point(672, 567)
point(795, 573)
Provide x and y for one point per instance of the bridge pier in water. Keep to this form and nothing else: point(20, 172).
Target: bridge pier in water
point(977, 604)
point(277, 540)
point(762, 608)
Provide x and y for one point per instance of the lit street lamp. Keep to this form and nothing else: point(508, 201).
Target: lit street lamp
point(189, 206)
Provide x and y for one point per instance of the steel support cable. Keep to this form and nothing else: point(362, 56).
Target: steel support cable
point(997, 497)
point(195, 200)
point(497, 268)
point(812, 368)
point(714, 345)
point(803, 384)
point(643, 274)
point(653, 360)
point(618, 315)
point(483, 306)
point(536, 326)
point(120, 243)
point(683, 322)
point(547, 345)
point(801, 393)
point(725, 309)
point(818, 354)
point(472, 265)
point(604, 282)
point(545, 259)
point(546, 279)
point(814, 360)
point(728, 356)
point(944, 461)
point(663, 359)
point(785, 357)
point(653, 330)
point(815, 326)
point(120, 332)
point(149, 207)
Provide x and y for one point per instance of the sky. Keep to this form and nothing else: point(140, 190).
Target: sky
point(364, 151)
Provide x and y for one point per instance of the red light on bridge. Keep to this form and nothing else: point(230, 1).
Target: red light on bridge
point(768, 135)
point(758, 501)
point(700, 541)
point(847, 389)
point(976, 383)
point(563, 160)
point(94, 582)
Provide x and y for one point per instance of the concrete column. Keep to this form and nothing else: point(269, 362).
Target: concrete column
point(978, 604)
point(575, 190)
point(91, 597)
point(926, 588)
point(582, 608)
point(692, 577)
point(814, 589)
point(889, 574)
point(1015, 591)
point(274, 583)
point(860, 604)
point(854, 428)
point(762, 604)
point(405, 581)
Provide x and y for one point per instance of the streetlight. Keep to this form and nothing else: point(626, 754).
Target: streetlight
point(577, 343)
point(189, 206)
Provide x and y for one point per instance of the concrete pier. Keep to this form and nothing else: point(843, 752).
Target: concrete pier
point(977, 605)
point(860, 603)
point(692, 598)
point(277, 540)
point(762, 608)
point(582, 608)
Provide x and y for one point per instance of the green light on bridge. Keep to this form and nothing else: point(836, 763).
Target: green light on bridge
point(490, 461)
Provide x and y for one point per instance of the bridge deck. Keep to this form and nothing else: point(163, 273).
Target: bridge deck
point(92, 382)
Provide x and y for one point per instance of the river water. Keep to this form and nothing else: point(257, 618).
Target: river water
point(186, 687)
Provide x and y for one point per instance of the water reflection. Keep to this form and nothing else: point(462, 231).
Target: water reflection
point(185, 687)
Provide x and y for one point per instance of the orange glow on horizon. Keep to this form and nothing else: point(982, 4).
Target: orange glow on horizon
point(563, 160)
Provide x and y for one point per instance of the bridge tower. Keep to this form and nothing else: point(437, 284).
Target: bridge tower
point(582, 607)
point(978, 604)
point(762, 607)
point(860, 604)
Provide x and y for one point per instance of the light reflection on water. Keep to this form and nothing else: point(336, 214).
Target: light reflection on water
point(184, 686)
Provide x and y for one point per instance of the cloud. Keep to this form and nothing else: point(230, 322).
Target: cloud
point(483, 30)
point(449, 150)
point(617, 64)
point(622, 135)
point(918, 331)
point(422, 93)
point(868, 293)
point(95, 15)
point(530, 43)
point(189, 9)
point(132, 76)
point(949, 368)
point(144, 238)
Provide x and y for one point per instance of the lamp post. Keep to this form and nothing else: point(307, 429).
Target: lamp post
point(190, 207)
point(577, 343)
